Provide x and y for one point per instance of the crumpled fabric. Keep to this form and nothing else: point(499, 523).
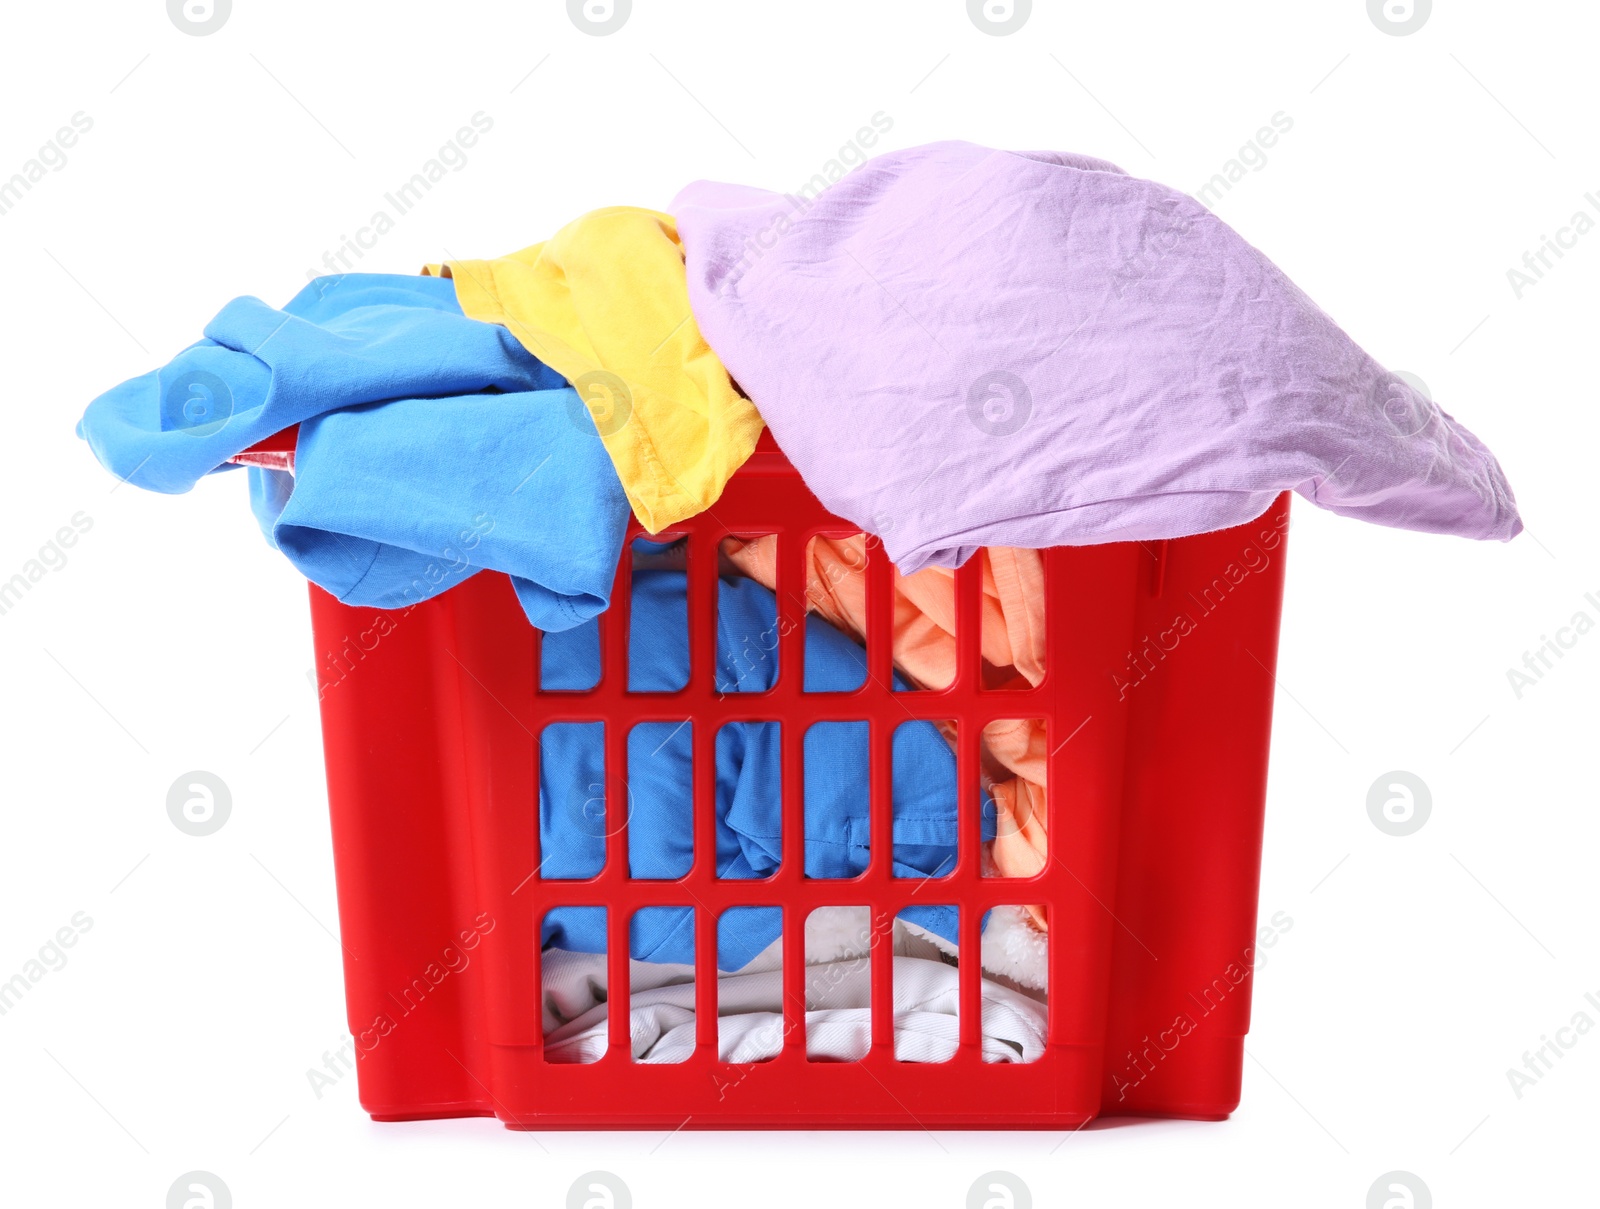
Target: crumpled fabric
point(1012, 641)
point(572, 815)
point(605, 303)
point(431, 446)
point(961, 347)
point(750, 1027)
point(355, 338)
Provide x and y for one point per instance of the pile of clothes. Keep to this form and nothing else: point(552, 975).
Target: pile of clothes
point(750, 1025)
point(965, 352)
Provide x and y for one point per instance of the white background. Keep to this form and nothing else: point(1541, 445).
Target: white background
point(1418, 171)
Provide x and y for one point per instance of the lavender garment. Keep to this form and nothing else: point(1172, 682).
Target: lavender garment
point(960, 347)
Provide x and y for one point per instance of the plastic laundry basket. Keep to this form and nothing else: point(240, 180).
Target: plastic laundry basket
point(1157, 701)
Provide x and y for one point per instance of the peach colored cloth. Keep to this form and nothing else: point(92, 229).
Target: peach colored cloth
point(1012, 751)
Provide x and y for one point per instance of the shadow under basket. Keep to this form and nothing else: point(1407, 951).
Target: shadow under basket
point(1157, 703)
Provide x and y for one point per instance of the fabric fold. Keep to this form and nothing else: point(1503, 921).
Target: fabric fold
point(605, 303)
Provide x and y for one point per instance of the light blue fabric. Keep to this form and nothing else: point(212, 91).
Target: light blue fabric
point(395, 502)
point(341, 340)
point(431, 445)
point(572, 823)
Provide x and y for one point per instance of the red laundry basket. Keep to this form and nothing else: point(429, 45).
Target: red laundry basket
point(1157, 700)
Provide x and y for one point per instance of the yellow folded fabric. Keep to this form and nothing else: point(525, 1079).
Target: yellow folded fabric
point(605, 304)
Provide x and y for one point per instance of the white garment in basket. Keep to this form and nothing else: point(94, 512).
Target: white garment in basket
point(750, 1004)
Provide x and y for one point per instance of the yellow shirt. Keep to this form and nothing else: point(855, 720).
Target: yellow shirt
point(605, 304)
